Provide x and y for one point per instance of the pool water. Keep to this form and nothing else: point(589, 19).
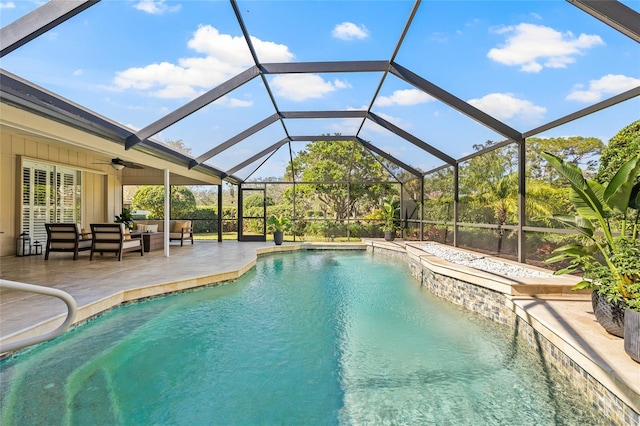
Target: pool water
point(315, 338)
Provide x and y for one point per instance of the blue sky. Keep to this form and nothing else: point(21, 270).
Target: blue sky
point(524, 62)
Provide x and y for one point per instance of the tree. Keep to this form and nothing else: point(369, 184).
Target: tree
point(621, 147)
point(151, 198)
point(179, 146)
point(578, 150)
point(484, 183)
point(206, 195)
point(438, 195)
point(490, 182)
point(257, 201)
point(326, 162)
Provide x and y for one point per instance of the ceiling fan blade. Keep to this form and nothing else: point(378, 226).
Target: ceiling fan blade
point(128, 164)
point(132, 165)
point(120, 161)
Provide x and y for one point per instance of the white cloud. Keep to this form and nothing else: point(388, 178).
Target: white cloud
point(224, 57)
point(533, 47)
point(350, 31)
point(172, 91)
point(504, 106)
point(298, 87)
point(439, 37)
point(156, 7)
point(134, 128)
point(209, 41)
point(391, 119)
point(396, 151)
point(341, 84)
point(78, 72)
point(347, 126)
point(7, 5)
point(230, 102)
point(608, 85)
point(404, 97)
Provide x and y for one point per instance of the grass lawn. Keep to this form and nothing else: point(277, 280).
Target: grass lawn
point(233, 236)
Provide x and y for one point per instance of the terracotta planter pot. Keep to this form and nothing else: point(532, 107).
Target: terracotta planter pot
point(632, 334)
point(609, 315)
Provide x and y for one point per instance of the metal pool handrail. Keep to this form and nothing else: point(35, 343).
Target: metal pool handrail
point(47, 291)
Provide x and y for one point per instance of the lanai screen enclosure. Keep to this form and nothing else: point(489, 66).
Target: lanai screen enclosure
point(420, 88)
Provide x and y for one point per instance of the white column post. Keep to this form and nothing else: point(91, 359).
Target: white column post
point(167, 211)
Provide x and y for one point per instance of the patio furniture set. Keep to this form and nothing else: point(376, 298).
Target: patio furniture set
point(111, 238)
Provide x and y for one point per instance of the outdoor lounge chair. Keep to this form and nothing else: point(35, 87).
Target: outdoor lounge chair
point(181, 230)
point(66, 237)
point(111, 238)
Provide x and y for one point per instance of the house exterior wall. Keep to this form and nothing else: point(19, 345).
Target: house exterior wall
point(101, 188)
point(26, 135)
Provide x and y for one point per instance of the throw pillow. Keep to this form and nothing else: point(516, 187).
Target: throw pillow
point(152, 228)
point(178, 225)
point(142, 227)
point(127, 234)
point(84, 235)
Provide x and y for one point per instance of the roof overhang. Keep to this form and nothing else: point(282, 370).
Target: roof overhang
point(31, 111)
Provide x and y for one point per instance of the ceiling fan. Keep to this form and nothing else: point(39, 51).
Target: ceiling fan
point(119, 164)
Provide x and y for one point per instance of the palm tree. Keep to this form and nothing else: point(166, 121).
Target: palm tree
point(502, 197)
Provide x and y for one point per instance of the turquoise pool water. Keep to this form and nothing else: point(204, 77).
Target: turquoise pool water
point(316, 338)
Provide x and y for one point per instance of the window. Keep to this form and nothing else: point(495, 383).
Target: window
point(50, 193)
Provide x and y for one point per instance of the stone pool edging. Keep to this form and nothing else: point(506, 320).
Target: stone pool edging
point(493, 297)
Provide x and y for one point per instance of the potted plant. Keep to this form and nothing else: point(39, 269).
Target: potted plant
point(125, 218)
point(278, 225)
point(389, 227)
point(609, 254)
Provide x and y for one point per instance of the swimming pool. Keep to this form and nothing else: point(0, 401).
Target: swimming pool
point(304, 338)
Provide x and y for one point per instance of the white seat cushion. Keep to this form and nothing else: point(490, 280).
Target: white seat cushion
point(135, 242)
point(84, 244)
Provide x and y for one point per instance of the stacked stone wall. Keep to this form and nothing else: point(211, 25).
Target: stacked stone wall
point(499, 308)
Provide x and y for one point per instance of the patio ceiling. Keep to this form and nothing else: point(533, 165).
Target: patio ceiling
point(273, 120)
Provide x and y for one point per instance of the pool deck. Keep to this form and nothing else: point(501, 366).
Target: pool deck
point(104, 282)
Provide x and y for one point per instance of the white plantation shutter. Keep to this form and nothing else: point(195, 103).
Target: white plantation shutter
point(66, 198)
point(49, 194)
point(27, 195)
